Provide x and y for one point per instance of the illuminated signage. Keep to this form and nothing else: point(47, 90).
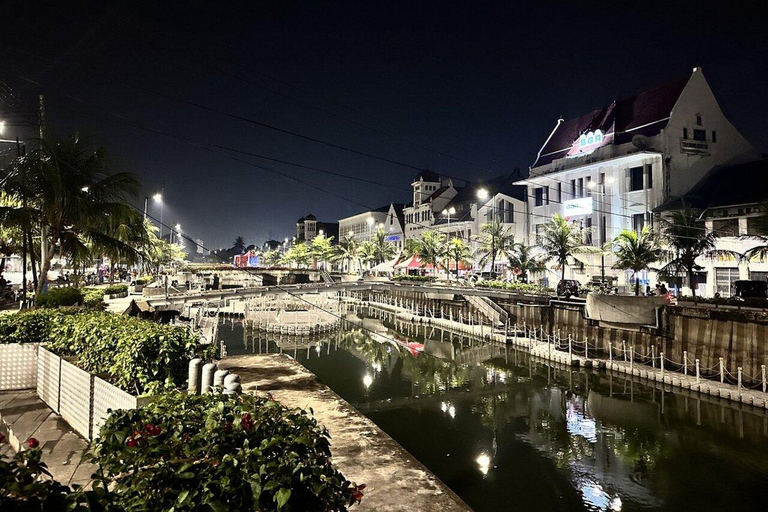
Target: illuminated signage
point(588, 142)
point(393, 238)
point(575, 207)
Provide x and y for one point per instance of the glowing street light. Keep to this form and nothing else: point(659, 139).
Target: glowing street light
point(482, 194)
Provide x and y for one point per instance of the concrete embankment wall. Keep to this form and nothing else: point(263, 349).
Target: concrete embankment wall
point(740, 337)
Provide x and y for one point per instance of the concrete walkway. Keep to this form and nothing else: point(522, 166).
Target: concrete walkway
point(361, 450)
point(24, 415)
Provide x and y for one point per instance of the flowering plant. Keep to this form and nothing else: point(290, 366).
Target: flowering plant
point(221, 453)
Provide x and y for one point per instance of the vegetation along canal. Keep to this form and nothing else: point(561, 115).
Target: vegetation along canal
point(505, 432)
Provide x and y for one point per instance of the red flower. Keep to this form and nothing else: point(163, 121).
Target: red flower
point(32, 442)
point(132, 443)
point(152, 429)
point(2, 438)
point(247, 422)
point(357, 494)
point(228, 427)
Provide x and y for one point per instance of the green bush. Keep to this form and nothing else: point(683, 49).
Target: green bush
point(415, 279)
point(93, 297)
point(514, 287)
point(210, 452)
point(115, 289)
point(141, 281)
point(31, 326)
point(139, 356)
point(62, 296)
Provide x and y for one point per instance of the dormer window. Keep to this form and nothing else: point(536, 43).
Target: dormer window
point(698, 120)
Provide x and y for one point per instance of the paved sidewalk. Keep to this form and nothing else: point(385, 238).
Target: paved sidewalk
point(24, 415)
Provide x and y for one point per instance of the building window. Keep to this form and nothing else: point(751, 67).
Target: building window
point(758, 276)
point(726, 227)
point(546, 194)
point(588, 231)
point(635, 179)
point(685, 133)
point(724, 279)
point(698, 120)
point(538, 196)
point(638, 222)
point(559, 192)
point(714, 136)
point(700, 135)
point(754, 226)
point(581, 187)
point(573, 189)
point(587, 183)
point(649, 176)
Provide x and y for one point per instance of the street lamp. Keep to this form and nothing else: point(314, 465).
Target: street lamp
point(448, 212)
point(371, 221)
point(158, 198)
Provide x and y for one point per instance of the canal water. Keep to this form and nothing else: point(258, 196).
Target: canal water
point(508, 433)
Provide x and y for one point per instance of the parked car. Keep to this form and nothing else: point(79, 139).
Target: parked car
point(568, 288)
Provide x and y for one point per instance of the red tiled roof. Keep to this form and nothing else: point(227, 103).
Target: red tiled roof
point(643, 114)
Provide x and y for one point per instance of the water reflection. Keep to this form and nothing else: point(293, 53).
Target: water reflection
point(506, 432)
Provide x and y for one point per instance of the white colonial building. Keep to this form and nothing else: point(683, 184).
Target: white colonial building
point(611, 168)
point(430, 196)
point(363, 226)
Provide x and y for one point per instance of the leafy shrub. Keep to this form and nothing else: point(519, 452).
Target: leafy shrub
point(63, 296)
point(26, 485)
point(416, 279)
point(93, 298)
point(141, 281)
point(115, 289)
point(31, 326)
point(514, 287)
point(139, 356)
point(212, 452)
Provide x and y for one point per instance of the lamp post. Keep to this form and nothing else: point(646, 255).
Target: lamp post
point(371, 221)
point(482, 194)
point(448, 212)
point(601, 223)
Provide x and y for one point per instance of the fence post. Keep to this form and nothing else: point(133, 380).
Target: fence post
point(739, 373)
point(586, 347)
point(631, 359)
point(653, 356)
point(661, 363)
point(722, 373)
point(698, 373)
point(624, 349)
point(570, 348)
point(610, 353)
point(762, 372)
point(685, 362)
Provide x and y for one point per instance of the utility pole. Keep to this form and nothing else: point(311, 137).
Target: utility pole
point(43, 227)
point(23, 232)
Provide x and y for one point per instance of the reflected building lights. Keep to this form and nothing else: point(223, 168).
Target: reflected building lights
point(484, 463)
point(367, 380)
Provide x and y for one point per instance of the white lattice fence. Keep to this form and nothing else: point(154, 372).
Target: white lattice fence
point(48, 378)
point(18, 366)
point(107, 397)
point(75, 398)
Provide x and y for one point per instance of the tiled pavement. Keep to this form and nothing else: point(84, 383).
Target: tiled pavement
point(24, 415)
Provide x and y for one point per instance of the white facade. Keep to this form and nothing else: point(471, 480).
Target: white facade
point(362, 226)
point(611, 180)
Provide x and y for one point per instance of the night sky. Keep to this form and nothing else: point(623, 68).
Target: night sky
point(468, 89)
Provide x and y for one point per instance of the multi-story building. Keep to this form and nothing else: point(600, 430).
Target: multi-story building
point(430, 197)
point(363, 226)
point(731, 200)
point(610, 168)
point(307, 228)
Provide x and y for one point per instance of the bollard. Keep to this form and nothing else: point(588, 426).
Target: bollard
point(207, 379)
point(653, 356)
point(762, 372)
point(624, 349)
point(193, 380)
point(739, 374)
point(685, 362)
point(570, 348)
point(698, 372)
point(586, 347)
point(610, 353)
point(661, 363)
point(632, 359)
point(233, 389)
point(218, 378)
point(722, 373)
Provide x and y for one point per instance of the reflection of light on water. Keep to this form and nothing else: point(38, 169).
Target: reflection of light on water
point(452, 411)
point(595, 496)
point(367, 380)
point(444, 407)
point(484, 462)
point(376, 367)
point(449, 408)
point(578, 424)
point(317, 349)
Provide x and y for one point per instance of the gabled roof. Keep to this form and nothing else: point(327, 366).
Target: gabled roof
point(643, 114)
point(468, 195)
point(427, 175)
point(437, 193)
point(726, 185)
point(398, 207)
point(310, 217)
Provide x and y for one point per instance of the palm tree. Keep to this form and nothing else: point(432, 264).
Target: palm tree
point(431, 249)
point(366, 253)
point(521, 257)
point(347, 250)
point(458, 251)
point(11, 230)
point(68, 184)
point(124, 237)
point(561, 240)
point(760, 233)
point(686, 234)
point(636, 251)
point(494, 242)
point(411, 248)
point(239, 246)
point(383, 249)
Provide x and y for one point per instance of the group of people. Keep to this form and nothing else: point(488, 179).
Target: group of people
point(660, 291)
